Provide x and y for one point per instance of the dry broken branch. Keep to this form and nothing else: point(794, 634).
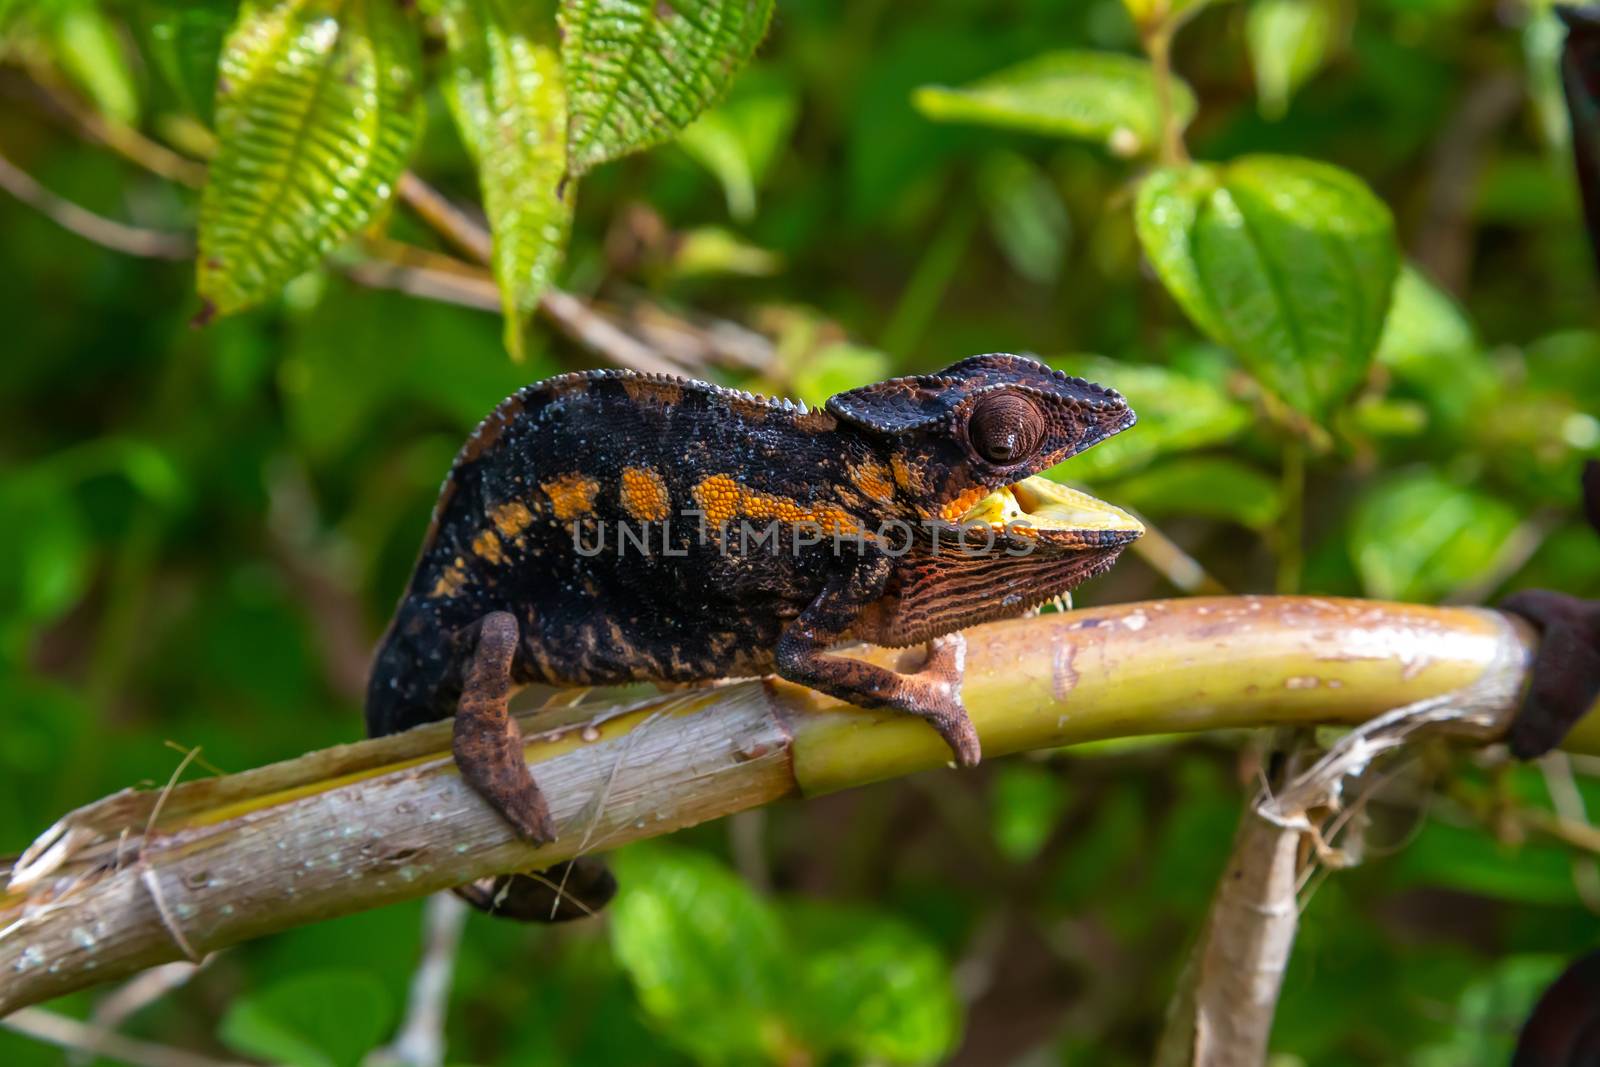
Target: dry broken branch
point(363, 825)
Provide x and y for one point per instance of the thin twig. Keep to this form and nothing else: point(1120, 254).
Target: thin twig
point(570, 314)
point(117, 236)
point(1167, 559)
point(147, 873)
point(67, 1033)
point(424, 282)
point(589, 328)
point(119, 137)
point(142, 990)
point(446, 219)
point(1568, 802)
point(420, 1041)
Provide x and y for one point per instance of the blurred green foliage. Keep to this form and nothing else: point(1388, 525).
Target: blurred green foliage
point(1358, 328)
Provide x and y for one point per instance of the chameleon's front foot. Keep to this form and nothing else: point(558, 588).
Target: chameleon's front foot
point(487, 742)
point(933, 694)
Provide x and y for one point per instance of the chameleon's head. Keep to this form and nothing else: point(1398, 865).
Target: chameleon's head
point(965, 445)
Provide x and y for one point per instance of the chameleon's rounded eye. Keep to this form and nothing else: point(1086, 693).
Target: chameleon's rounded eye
point(1006, 428)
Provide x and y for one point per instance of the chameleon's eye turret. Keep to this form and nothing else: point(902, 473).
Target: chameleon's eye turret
point(1006, 428)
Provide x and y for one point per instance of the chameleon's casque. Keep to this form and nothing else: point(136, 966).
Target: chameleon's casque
point(607, 526)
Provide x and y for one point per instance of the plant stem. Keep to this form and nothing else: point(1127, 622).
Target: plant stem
point(385, 820)
point(1157, 40)
point(1291, 523)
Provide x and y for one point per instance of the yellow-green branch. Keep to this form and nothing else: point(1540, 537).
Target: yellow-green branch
point(363, 825)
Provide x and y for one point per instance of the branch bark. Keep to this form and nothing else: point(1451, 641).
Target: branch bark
point(134, 880)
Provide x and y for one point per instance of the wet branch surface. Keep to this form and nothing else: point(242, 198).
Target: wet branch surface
point(145, 877)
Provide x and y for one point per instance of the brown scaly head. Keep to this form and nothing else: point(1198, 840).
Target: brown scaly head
point(965, 447)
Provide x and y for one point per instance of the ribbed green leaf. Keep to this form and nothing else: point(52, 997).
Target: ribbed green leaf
point(316, 112)
point(1288, 262)
point(1092, 96)
point(640, 70)
point(510, 104)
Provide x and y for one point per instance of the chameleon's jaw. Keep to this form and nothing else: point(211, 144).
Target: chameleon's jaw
point(1041, 505)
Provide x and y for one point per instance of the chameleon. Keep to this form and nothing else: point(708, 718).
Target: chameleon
point(609, 526)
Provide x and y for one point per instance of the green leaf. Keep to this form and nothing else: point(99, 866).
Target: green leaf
point(1418, 536)
point(1026, 215)
point(1212, 486)
point(89, 49)
point(1491, 1012)
point(1289, 40)
point(870, 986)
point(1178, 412)
point(835, 368)
point(705, 955)
point(1470, 861)
point(1286, 261)
point(186, 38)
point(1092, 96)
point(46, 548)
point(509, 101)
point(712, 250)
point(316, 112)
point(1431, 349)
point(325, 1019)
point(1423, 319)
point(1024, 806)
point(638, 71)
point(738, 140)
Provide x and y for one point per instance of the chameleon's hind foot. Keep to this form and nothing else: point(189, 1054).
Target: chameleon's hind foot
point(571, 890)
point(488, 744)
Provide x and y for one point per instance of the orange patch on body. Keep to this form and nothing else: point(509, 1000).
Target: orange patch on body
point(722, 499)
point(644, 494)
point(511, 519)
point(874, 480)
point(487, 546)
point(571, 495)
point(450, 580)
point(718, 496)
point(902, 472)
point(962, 504)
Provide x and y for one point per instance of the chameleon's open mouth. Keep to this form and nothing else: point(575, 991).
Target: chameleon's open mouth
point(1046, 506)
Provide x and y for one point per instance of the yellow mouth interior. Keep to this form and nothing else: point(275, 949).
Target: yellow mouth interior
point(1045, 505)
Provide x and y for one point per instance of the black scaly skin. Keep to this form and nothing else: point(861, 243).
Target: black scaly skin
point(502, 595)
